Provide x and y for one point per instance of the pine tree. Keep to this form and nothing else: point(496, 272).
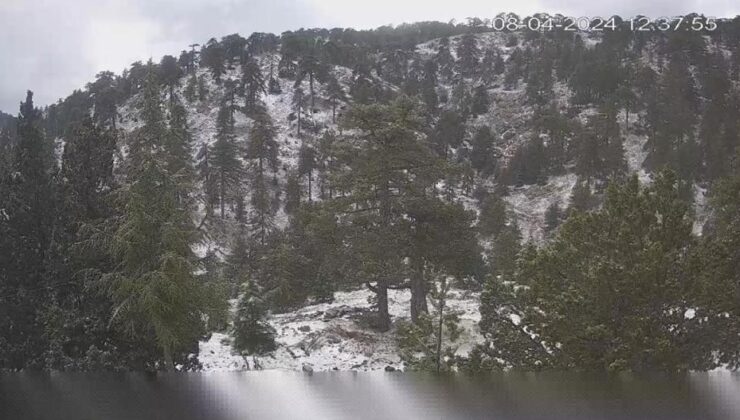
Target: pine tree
point(480, 102)
point(336, 94)
point(262, 153)
point(595, 297)
point(553, 217)
point(253, 84)
point(153, 287)
point(717, 260)
point(27, 228)
point(224, 166)
point(468, 55)
point(213, 56)
point(444, 59)
point(422, 344)
point(492, 218)
point(191, 88)
point(170, 73)
point(252, 334)
point(310, 66)
point(483, 154)
point(389, 164)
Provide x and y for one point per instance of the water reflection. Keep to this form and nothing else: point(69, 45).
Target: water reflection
point(347, 395)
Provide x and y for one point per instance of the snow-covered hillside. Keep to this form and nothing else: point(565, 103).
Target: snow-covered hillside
point(331, 336)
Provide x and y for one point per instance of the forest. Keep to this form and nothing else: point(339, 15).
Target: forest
point(249, 177)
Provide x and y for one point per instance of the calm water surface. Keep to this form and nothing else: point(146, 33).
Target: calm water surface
point(376, 395)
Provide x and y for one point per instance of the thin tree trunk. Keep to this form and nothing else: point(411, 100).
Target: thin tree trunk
point(418, 290)
point(310, 85)
point(309, 186)
point(384, 318)
point(440, 323)
point(223, 193)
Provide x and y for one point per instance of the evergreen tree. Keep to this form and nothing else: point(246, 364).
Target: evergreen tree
point(213, 57)
point(445, 61)
point(27, 228)
point(492, 218)
point(553, 217)
point(253, 84)
point(386, 163)
point(595, 298)
point(310, 67)
point(483, 155)
point(717, 260)
point(153, 287)
point(252, 334)
point(468, 55)
point(262, 153)
point(224, 167)
point(480, 102)
point(336, 94)
point(171, 73)
point(422, 344)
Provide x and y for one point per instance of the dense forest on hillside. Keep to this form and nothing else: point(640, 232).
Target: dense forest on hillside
point(585, 183)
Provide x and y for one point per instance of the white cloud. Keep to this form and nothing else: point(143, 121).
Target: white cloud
point(55, 46)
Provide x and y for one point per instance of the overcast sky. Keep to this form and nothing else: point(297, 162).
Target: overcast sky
point(55, 46)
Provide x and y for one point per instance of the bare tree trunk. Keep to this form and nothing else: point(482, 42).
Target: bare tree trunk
point(223, 193)
point(310, 194)
point(418, 290)
point(384, 318)
point(440, 323)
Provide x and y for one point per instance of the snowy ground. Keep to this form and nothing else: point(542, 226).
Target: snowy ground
point(328, 336)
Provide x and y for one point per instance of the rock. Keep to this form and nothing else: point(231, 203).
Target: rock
point(304, 328)
point(390, 368)
point(307, 368)
point(338, 311)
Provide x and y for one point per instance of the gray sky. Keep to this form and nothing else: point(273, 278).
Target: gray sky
point(55, 46)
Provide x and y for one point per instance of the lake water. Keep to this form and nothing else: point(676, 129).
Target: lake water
point(370, 395)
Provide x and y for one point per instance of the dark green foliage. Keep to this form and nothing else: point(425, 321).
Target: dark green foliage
point(253, 84)
point(425, 344)
point(170, 73)
point(388, 165)
point(152, 286)
point(480, 102)
point(528, 165)
point(671, 118)
point(26, 230)
point(449, 132)
point(224, 169)
point(553, 218)
point(262, 155)
point(213, 56)
point(336, 94)
point(483, 156)
point(581, 197)
point(505, 249)
point(252, 334)
point(468, 55)
point(718, 260)
point(609, 292)
point(306, 261)
point(492, 218)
